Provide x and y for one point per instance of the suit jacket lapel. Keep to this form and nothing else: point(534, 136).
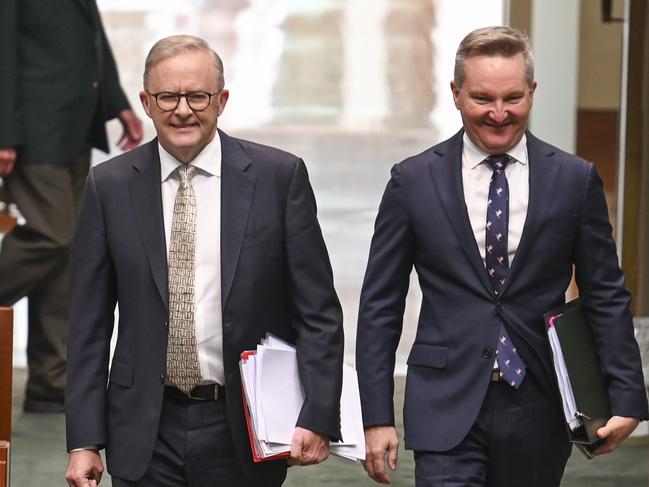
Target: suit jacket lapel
point(446, 173)
point(237, 189)
point(146, 196)
point(543, 174)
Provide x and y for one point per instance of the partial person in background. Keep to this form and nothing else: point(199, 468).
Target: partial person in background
point(493, 220)
point(207, 243)
point(58, 87)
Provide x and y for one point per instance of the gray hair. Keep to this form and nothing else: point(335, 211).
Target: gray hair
point(174, 45)
point(494, 41)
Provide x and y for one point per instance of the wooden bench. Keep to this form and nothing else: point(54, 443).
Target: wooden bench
point(6, 361)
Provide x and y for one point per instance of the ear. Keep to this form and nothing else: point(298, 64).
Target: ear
point(532, 90)
point(144, 99)
point(456, 93)
point(224, 96)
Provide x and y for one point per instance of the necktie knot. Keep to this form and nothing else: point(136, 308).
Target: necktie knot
point(498, 162)
point(186, 172)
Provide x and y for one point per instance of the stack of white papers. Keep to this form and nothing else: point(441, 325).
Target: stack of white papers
point(563, 378)
point(273, 398)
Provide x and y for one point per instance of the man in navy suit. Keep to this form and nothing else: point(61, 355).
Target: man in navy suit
point(481, 408)
point(238, 219)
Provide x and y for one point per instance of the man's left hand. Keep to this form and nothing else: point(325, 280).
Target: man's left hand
point(616, 430)
point(132, 135)
point(308, 447)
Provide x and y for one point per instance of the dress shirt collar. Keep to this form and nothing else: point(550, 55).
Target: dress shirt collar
point(208, 161)
point(472, 155)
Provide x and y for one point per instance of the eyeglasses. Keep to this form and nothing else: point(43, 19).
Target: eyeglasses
point(168, 101)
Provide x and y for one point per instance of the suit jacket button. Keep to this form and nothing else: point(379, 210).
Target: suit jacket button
point(487, 352)
point(162, 378)
point(501, 306)
point(227, 325)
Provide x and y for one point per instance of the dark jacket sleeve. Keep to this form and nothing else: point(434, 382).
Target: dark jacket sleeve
point(316, 311)
point(10, 116)
point(94, 296)
point(383, 300)
point(607, 301)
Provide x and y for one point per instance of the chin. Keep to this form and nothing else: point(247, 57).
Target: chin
point(500, 144)
point(184, 142)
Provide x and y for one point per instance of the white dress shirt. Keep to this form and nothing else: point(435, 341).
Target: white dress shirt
point(207, 281)
point(476, 176)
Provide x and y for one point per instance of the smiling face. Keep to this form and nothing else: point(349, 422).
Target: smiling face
point(494, 101)
point(184, 132)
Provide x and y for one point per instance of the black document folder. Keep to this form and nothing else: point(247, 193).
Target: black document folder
point(583, 388)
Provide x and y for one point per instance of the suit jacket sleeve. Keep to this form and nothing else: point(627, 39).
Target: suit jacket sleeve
point(602, 288)
point(10, 123)
point(316, 311)
point(92, 309)
point(382, 304)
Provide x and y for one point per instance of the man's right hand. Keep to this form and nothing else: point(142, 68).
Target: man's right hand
point(7, 160)
point(84, 468)
point(380, 442)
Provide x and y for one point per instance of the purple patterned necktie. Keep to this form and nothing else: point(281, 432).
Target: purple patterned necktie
point(512, 367)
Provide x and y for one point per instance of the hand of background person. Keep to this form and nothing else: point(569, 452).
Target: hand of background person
point(616, 430)
point(84, 468)
point(308, 447)
point(7, 160)
point(381, 445)
point(132, 135)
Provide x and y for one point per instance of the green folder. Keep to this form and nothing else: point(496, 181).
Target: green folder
point(589, 387)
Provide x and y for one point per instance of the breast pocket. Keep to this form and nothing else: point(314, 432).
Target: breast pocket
point(559, 227)
point(259, 235)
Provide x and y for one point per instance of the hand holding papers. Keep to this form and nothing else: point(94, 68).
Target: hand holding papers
point(584, 394)
point(273, 398)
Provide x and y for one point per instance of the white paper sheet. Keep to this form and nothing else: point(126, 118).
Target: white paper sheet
point(274, 393)
point(563, 379)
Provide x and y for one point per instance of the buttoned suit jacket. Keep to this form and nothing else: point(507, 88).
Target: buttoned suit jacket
point(275, 277)
point(58, 82)
point(423, 223)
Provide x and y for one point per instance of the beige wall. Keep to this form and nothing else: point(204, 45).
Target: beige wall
point(600, 51)
point(600, 57)
point(520, 15)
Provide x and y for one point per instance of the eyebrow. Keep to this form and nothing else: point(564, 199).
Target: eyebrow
point(484, 94)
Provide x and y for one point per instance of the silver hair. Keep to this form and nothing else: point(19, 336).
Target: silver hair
point(174, 45)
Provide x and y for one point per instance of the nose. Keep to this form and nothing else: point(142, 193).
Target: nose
point(183, 109)
point(498, 112)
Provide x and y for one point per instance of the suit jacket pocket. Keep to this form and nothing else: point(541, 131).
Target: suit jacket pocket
point(428, 355)
point(121, 373)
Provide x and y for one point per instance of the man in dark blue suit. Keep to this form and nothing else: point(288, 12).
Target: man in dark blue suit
point(493, 220)
point(207, 243)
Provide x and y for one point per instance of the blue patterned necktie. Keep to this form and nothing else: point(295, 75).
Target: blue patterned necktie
point(512, 367)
